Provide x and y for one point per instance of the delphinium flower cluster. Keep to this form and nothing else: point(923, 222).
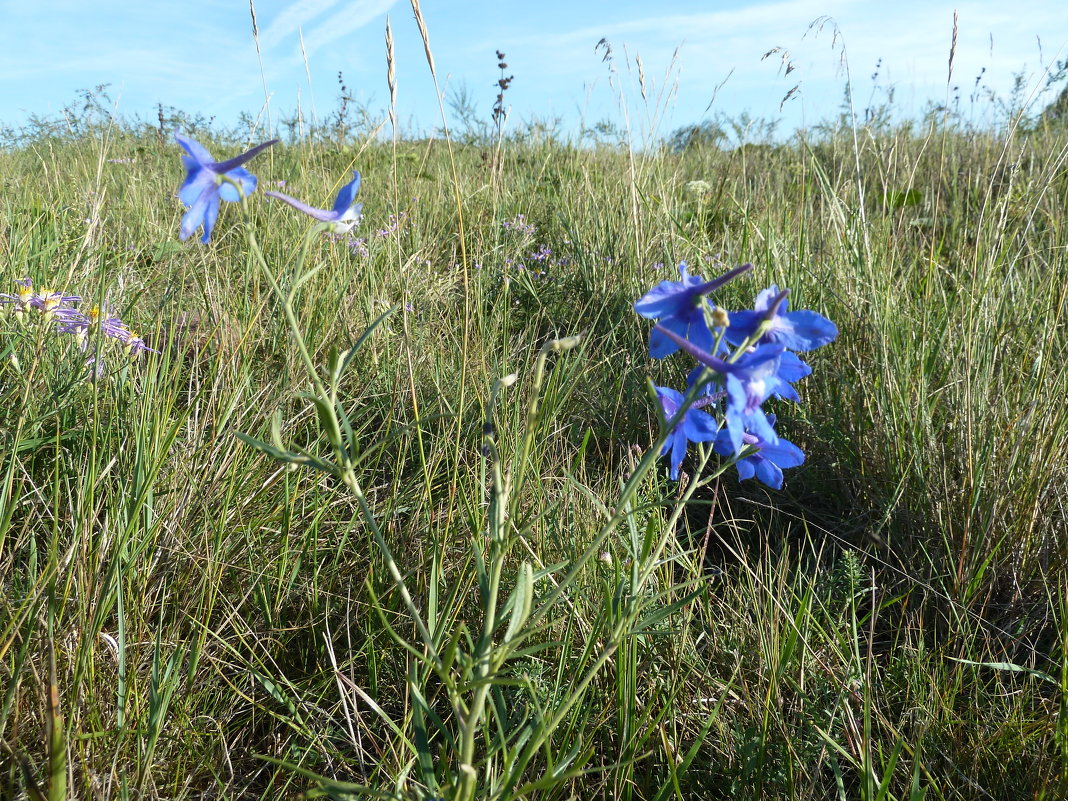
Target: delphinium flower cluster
point(97, 331)
point(743, 359)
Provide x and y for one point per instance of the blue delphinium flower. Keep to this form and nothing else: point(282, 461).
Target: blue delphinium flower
point(797, 330)
point(758, 369)
point(768, 460)
point(750, 380)
point(762, 365)
point(788, 369)
point(206, 183)
point(342, 217)
point(695, 426)
point(679, 306)
point(746, 391)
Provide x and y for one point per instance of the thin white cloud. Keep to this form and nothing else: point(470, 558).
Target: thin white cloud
point(351, 18)
point(296, 15)
point(727, 25)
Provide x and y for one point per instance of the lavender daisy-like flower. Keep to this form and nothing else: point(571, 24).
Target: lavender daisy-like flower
point(49, 302)
point(20, 298)
point(46, 301)
point(679, 307)
point(81, 325)
point(797, 330)
point(207, 181)
point(342, 217)
point(135, 345)
point(696, 426)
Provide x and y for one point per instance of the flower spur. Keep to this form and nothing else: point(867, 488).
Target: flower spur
point(342, 217)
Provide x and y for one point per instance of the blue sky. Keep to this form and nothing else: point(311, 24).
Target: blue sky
point(199, 56)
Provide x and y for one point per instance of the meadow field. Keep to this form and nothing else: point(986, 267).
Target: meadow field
point(381, 513)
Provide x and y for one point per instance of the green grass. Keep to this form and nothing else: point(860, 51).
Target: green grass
point(891, 625)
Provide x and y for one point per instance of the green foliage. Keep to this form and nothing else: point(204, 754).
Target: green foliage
point(419, 604)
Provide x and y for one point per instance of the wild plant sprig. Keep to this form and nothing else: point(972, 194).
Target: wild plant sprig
point(324, 398)
point(759, 367)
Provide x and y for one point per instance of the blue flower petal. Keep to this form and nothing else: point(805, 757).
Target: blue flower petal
point(197, 151)
point(746, 468)
point(804, 330)
point(664, 300)
point(678, 453)
point(758, 424)
point(792, 368)
point(347, 195)
point(766, 471)
point(784, 453)
point(247, 180)
point(211, 214)
point(699, 426)
point(659, 344)
point(197, 181)
point(766, 296)
point(194, 218)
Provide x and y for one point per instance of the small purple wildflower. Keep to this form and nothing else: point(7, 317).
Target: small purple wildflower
point(21, 298)
point(396, 222)
point(544, 253)
point(135, 345)
point(519, 225)
point(81, 325)
point(96, 367)
point(46, 301)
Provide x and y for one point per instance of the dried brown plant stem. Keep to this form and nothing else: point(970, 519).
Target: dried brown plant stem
point(259, 58)
point(391, 81)
point(421, 23)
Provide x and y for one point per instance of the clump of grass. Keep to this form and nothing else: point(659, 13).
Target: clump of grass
point(554, 618)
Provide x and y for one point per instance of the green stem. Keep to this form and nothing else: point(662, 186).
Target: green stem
point(328, 406)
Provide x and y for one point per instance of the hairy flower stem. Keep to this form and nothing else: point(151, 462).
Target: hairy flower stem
point(328, 406)
point(488, 656)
